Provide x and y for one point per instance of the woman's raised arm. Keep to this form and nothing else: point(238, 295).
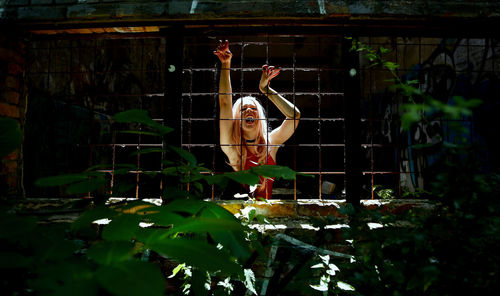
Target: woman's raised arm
point(225, 94)
point(291, 112)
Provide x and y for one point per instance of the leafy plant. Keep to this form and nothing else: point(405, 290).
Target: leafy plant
point(123, 252)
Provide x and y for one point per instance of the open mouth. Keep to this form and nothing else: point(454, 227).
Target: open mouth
point(250, 120)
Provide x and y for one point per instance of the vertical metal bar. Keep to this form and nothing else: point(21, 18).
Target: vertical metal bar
point(214, 126)
point(173, 91)
point(370, 120)
point(352, 124)
point(320, 167)
point(174, 49)
point(294, 138)
point(242, 165)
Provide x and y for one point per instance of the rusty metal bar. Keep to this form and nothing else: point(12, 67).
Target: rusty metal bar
point(352, 125)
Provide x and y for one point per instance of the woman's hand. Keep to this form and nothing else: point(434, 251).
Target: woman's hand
point(268, 73)
point(223, 52)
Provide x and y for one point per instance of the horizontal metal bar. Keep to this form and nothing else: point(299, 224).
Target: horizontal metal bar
point(271, 145)
point(187, 94)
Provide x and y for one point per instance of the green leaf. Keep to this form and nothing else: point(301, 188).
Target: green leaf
point(186, 206)
point(244, 177)
point(61, 180)
point(163, 217)
point(10, 136)
point(89, 185)
point(107, 166)
point(390, 65)
point(219, 180)
point(175, 193)
point(202, 225)
point(408, 119)
point(132, 278)
point(121, 227)
point(148, 151)
point(274, 171)
point(234, 239)
point(200, 282)
point(141, 116)
point(90, 216)
point(384, 50)
point(186, 155)
point(371, 56)
point(106, 253)
point(142, 133)
point(195, 253)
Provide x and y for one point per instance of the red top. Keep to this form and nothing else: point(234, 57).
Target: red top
point(265, 188)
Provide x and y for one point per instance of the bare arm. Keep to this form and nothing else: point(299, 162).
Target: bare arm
point(225, 95)
point(291, 112)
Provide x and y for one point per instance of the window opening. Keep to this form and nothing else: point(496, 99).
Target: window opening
point(75, 85)
point(301, 80)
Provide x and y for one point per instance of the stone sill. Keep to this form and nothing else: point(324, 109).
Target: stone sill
point(313, 208)
point(292, 213)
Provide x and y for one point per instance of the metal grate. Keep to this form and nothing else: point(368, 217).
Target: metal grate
point(75, 84)
point(311, 78)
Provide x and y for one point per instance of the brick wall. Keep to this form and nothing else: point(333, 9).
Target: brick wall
point(12, 104)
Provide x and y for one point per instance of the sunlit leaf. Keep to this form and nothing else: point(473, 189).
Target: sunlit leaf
point(345, 286)
point(176, 270)
point(195, 253)
point(10, 136)
point(110, 252)
point(131, 278)
point(323, 284)
point(250, 281)
point(137, 207)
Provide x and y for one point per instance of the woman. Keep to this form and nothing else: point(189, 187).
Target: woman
point(244, 135)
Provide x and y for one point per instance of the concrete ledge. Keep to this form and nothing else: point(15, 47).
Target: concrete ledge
point(321, 208)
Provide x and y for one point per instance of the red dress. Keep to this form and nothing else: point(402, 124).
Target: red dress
point(265, 188)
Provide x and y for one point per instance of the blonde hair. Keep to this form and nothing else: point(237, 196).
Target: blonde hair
point(261, 140)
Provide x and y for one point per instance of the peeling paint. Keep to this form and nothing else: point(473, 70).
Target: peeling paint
point(194, 4)
point(321, 5)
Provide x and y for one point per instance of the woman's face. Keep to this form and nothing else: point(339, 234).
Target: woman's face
point(249, 113)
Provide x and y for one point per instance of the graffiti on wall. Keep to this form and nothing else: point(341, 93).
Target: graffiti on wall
point(445, 68)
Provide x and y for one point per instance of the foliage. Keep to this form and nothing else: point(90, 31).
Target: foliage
point(121, 254)
point(449, 250)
